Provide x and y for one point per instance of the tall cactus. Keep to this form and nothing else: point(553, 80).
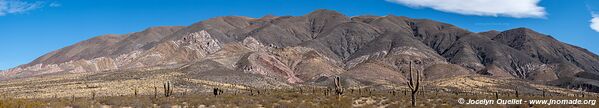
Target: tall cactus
point(517, 94)
point(167, 89)
point(496, 95)
point(414, 84)
point(338, 88)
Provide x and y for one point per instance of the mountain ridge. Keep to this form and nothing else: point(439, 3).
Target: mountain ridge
point(325, 43)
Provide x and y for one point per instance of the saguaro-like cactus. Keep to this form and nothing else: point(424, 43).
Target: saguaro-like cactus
point(414, 84)
point(496, 95)
point(338, 88)
point(167, 89)
point(217, 91)
point(517, 95)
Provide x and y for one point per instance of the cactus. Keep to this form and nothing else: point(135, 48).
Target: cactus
point(414, 85)
point(167, 89)
point(338, 88)
point(496, 95)
point(217, 91)
point(517, 95)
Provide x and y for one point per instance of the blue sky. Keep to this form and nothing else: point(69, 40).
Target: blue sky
point(29, 29)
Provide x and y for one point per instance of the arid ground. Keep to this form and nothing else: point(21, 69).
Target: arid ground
point(146, 89)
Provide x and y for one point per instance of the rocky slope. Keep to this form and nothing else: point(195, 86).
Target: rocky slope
point(309, 49)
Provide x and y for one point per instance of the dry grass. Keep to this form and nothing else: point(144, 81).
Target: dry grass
point(280, 98)
point(117, 89)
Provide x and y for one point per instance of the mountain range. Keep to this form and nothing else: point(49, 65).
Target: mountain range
point(310, 49)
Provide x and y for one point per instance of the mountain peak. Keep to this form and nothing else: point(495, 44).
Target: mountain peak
point(524, 33)
point(269, 16)
point(323, 12)
point(523, 30)
point(490, 31)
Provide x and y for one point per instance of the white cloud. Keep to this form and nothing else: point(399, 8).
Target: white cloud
point(54, 4)
point(17, 6)
point(507, 8)
point(595, 22)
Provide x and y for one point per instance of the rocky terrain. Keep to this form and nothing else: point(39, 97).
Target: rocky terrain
point(289, 51)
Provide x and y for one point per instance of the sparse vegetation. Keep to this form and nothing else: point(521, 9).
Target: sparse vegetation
point(288, 98)
point(144, 91)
